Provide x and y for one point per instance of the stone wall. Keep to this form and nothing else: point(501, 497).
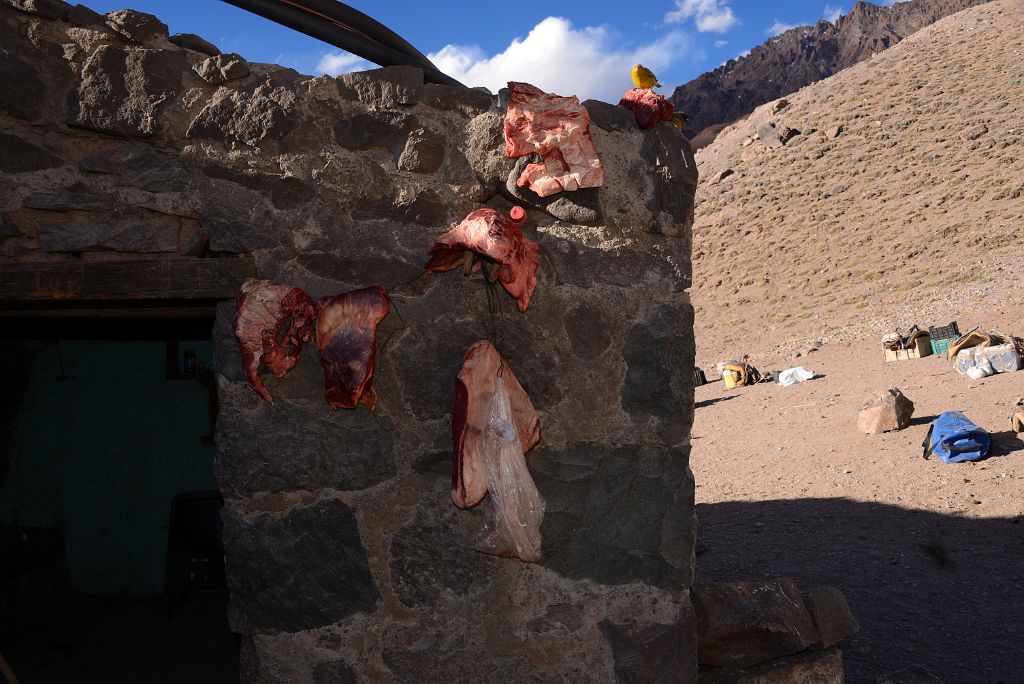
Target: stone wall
point(346, 556)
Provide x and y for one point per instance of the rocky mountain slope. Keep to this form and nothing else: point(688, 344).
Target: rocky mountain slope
point(799, 57)
point(900, 201)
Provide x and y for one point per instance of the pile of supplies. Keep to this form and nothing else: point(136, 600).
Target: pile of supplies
point(978, 354)
point(914, 344)
point(740, 373)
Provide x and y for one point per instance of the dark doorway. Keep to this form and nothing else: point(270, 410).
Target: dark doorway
point(107, 424)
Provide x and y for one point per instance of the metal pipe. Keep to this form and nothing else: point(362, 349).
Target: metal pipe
point(317, 27)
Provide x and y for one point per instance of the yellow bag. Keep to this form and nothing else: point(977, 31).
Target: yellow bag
point(734, 375)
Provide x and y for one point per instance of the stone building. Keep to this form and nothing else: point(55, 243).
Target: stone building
point(141, 170)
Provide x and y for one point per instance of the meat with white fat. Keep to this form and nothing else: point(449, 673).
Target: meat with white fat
point(558, 129)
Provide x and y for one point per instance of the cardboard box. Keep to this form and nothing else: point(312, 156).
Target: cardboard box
point(922, 346)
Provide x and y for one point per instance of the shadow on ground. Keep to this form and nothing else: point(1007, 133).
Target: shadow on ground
point(1006, 443)
point(942, 591)
point(713, 401)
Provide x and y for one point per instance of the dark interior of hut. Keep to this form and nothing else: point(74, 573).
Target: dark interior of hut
point(111, 560)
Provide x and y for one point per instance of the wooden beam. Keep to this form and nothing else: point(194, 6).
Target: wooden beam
point(205, 308)
point(174, 278)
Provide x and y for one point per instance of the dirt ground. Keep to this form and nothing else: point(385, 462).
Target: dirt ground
point(929, 555)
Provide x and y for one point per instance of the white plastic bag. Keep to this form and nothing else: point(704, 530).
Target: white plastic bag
point(982, 369)
point(792, 376)
point(966, 360)
point(1003, 357)
point(512, 522)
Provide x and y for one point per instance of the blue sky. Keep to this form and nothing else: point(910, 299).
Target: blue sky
point(582, 48)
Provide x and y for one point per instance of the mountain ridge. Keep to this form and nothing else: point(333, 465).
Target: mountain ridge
point(897, 200)
point(799, 57)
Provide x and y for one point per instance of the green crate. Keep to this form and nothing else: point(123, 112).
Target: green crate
point(944, 332)
point(940, 346)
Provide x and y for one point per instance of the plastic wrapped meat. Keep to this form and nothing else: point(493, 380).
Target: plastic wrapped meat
point(648, 106)
point(558, 129)
point(492, 235)
point(482, 370)
point(346, 335)
point(494, 424)
point(265, 309)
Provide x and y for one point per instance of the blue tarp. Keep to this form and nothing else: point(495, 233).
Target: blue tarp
point(954, 439)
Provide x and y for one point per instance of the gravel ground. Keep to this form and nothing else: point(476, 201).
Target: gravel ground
point(929, 555)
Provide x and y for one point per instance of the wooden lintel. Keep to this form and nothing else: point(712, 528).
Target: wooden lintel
point(192, 308)
point(175, 278)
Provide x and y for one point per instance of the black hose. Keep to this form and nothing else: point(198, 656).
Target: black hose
point(330, 32)
point(355, 20)
point(296, 16)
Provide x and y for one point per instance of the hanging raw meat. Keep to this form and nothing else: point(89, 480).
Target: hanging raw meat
point(648, 106)
point(558, 129)
point(496, 237)
point(493, 425)
point(346, 335)
point(265, 309)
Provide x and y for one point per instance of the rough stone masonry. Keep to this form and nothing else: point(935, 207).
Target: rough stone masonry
point(346, 557)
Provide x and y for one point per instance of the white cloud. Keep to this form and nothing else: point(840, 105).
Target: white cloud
point(713, 16)
point(832, 13)
point(559, 58)
point(721, 43)
point(335, 63)
point(743, 54)
point(779, 27)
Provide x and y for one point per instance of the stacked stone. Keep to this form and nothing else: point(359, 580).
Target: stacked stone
point(345, 555)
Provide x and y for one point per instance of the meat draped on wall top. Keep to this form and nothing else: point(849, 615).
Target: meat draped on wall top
point(558, 129)
point(649, 107)
point(493, 425)
point(488, 234)
point(265, 308)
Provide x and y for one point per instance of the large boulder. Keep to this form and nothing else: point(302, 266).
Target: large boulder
point(138, 27)
point(191, 41)
point(21, 156)
point(770, 135)
point(654, 653)
point(887, 411)
point(222, 68)
point(831, 615)
point(124, 91)
point(47, 9)
point(740, 624)
point(304, 569)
